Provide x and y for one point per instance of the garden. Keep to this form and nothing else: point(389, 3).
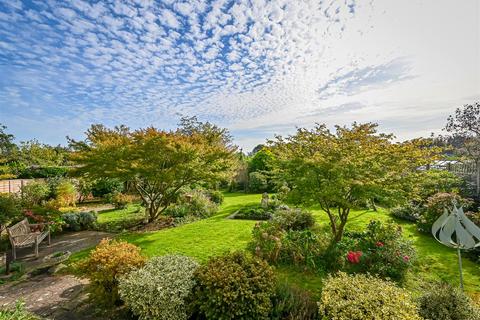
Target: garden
point(321, 224)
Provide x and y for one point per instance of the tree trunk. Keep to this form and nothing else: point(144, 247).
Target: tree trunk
point(152, 213)
point(340, 231)
point(338, 228)
point(343, 215)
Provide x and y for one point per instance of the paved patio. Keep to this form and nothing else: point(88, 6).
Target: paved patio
point(52, 296)
point(72, 241)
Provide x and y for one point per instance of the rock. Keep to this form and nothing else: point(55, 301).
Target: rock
point(56, 268)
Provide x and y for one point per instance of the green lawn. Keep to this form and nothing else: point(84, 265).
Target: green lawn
point(204, 238)
point(217, 234)
point(117, 220)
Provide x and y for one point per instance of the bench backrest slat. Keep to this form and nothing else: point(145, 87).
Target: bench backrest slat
point(19, 229)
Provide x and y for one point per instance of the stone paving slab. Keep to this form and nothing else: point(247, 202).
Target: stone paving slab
point(46, 295)
point(52, 296)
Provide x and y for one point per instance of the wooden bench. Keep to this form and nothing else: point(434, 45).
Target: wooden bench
point(24, 234)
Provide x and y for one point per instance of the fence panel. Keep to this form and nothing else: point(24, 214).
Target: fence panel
point(14, 185)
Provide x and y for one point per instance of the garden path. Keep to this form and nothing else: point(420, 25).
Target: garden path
point(71, 241)
point(52, 296)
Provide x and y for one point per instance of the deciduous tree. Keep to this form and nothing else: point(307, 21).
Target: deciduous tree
point(345, 169)
point(158, 163)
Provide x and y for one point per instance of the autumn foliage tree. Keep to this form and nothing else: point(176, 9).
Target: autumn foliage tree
point(347, 168)
point(158, 163)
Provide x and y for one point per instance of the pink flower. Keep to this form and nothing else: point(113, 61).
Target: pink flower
point(354, 256)
point(406, 258)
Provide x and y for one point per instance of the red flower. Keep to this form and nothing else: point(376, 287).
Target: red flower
point(379, 244)
point(354, 256)
point(406, 258)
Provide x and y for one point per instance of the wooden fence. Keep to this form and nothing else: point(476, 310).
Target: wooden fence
point(14, 185)
point(466, 170)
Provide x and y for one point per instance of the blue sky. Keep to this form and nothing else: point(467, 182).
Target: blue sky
point(257, 67)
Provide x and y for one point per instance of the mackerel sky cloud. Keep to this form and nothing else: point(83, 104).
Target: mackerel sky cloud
point(257, 67)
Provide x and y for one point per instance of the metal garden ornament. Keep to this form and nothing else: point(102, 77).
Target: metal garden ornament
point(455, 230)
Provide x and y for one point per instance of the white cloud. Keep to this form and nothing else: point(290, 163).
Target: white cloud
point(169, 18)
point(244, 65)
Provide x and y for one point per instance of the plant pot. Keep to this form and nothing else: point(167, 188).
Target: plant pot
point(57, 257)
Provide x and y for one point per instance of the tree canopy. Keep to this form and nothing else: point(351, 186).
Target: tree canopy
point(465, 123)
point(158, 163)
point(347, 168)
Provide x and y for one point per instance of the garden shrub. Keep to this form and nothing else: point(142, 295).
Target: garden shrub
point(293, 303)
point(410, 211)
point(201, 206)
point(120, 200)
point(106, 264)
point(215, 196)
point(34, 193)
point(293, 219)
point(252, 212)
point(83, 185)
point(303, 248)
point(435, 207)
point(46, 213)
point(17, 313)
point(474, 217)
point(162, 289)
point(87, 219)
point(295, 247)
point(473, 254)
point(65, 194)
point(104, 186)
point(195, 204)
point(234, 286)
point(444, 302)
point(80, 220)
point(257, 182)
point(43, 172)
point(267, 241)
point(434, 181)
point(379, 250)
point(71, 221)
point(364, 297)
point(10, 208)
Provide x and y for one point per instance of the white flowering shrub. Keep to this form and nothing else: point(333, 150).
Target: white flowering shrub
point(161, 289)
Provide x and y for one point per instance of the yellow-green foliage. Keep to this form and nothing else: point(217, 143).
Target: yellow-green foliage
point(364, 297)
point(161, 289)
point(65, 194)
point(110, 260)
point(17, 313)
point(235, 286)
point(444, 302)
point(121, 200)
